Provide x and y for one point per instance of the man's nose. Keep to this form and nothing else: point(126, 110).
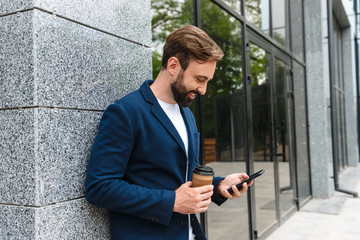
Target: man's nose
point(202, 88)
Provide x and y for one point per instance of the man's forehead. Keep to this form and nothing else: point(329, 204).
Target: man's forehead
point(202, 69)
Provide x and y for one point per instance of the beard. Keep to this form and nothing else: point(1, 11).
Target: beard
point(179, 91)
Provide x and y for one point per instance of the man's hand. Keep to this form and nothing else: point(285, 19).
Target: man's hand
point(190, 200)
point(232, 180)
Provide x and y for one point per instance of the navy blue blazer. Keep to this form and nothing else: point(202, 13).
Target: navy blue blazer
point(137, 162)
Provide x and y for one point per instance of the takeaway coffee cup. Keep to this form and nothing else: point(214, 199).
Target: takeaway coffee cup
point(202, 175)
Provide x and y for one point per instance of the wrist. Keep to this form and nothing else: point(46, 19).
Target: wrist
point(218, 188)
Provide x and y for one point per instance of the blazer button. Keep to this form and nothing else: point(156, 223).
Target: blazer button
point(183, 222)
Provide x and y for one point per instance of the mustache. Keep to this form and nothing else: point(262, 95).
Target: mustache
point(194, 92)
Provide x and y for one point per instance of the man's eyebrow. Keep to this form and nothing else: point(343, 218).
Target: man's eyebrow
point(202, 76)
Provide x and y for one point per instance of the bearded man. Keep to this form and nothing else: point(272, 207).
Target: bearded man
point(148, 145)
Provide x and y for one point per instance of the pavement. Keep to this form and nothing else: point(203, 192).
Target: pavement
point(334, 218)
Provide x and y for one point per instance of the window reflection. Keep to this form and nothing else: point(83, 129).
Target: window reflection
point(279, 20)
point(166, 17)
point(258, 13)
point(235, 4)
point(282, 138)
point(262, 137)
point(223, 121)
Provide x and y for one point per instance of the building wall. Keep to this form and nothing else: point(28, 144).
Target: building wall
point(62, 62)
point(317, 98)
point(318, 83)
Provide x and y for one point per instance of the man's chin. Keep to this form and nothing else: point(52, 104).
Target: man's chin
point(185, 103)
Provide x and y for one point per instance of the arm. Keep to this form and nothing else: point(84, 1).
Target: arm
point(105, 184)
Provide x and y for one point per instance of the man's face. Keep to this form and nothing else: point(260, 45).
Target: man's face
point(193, 81)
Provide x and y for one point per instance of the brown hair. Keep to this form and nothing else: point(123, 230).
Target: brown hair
point(190, 42)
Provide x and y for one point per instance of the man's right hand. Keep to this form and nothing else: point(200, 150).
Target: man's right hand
point(190, 200)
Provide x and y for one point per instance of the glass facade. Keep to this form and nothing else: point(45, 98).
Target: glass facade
point(257, 12)
point(247, 116)
point(279, 21)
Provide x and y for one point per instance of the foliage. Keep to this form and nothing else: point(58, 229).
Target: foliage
point(226, 88)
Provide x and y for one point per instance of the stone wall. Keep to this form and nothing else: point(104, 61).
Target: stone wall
point(62, 62)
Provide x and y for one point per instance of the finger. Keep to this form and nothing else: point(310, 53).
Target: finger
point(226, 194)
point(206, 188)
point(203, 209)
point(244, 175)
point(188, 184)
point(244, 188)
point(207, 195)
point(236, 192)
point(204, 205)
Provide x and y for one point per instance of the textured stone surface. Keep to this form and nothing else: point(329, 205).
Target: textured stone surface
point(45, 154)
point(61, 64)
point(73, 66)
point(16, 60)
point(17, 157)
point(129, 19)
point(317, 108)
point(297, 41)
point(17, 222)
point(74, 219)
point(64, 141)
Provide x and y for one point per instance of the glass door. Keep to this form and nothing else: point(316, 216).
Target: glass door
point(272, 131)
point(283, 132)
point(262, 138)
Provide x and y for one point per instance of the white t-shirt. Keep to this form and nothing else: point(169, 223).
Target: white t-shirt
point(174, 114)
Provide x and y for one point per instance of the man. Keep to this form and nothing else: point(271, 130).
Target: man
point(148, 144)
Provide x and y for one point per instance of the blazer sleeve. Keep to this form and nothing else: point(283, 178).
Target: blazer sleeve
point(105, 184)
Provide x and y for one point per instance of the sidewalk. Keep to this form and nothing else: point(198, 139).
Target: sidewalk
point(327, 219)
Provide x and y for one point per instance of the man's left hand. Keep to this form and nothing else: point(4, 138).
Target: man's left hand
point(230, 181)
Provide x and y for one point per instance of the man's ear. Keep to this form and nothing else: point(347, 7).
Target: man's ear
point(173, 66)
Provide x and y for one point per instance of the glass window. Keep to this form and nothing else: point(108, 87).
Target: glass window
point(223, 121)
point(279, 22)
point(258, 13)
point(235, 4)
point(166, 17)
point(262, 137)
point(282, 137)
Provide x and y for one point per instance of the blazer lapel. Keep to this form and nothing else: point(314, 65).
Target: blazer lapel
point(191, 150)
point(166, 122)
point(159, 112)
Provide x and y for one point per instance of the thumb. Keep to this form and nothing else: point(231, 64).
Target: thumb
point(188, 184)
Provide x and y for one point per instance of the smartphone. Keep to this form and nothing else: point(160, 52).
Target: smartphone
point(239, 185)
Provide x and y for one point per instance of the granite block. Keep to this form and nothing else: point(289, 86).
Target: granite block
point(44, 154)
point(313, 25)
point(17, 157)
point(73, 66)
point(16, 60)
point(17, 222)
point(74, 219)
point(64, 141)
point(297, 44)
point(129, 19)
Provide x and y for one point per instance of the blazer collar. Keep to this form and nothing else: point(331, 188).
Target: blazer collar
point(160, 114)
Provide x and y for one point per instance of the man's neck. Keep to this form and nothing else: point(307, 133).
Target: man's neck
point(161, 88)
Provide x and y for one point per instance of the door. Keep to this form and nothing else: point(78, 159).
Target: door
point(272, 133)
